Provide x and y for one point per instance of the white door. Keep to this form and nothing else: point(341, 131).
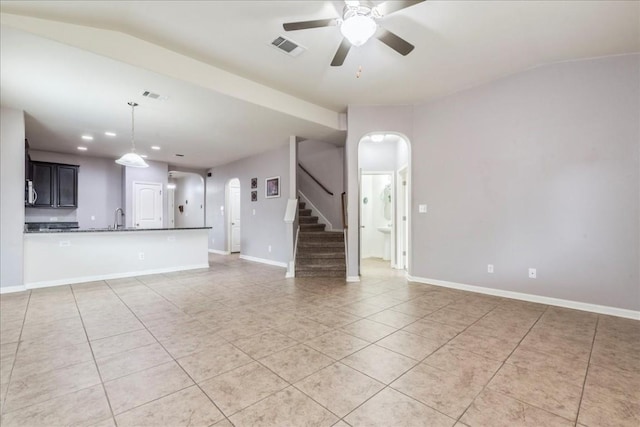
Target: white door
point(171, 200)
point(234, 202)
point(147, 205)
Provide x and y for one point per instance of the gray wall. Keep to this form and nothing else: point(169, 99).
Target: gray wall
point(379, 156)
point(11, 197)
point(267, 226)
point(539, 169)
point(156, 172)
point(99, 191)
point(325, 162)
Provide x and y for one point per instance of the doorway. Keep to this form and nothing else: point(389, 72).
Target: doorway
point(147, 204)
point(185, 199)
point(384, 200)
point(233, 216)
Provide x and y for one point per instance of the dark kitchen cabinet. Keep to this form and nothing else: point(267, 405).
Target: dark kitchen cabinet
point(56, 185)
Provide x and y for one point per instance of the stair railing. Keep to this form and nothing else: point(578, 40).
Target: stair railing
point(344, 210)
point(326, 190)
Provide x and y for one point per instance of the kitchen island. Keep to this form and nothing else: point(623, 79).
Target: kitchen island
point(62, 257)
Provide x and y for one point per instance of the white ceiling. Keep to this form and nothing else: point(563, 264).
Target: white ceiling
point(459, 44)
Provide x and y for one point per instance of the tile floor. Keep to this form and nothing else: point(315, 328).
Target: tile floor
point(239, 345)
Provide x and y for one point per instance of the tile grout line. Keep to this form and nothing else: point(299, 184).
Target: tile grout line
point(15, 355)
point(93, 356)
point(586, 374)
point(503, 363)
point(420, 361)
point(164, 348)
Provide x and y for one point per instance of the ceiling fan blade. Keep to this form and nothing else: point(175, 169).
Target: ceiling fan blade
point(303, 25)
point(341, 53)
point(395, 42)
point(391, 6)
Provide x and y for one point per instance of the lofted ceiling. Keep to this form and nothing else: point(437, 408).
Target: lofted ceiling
point(68, 86)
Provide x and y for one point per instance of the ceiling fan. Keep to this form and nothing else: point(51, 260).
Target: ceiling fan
point(358, 24)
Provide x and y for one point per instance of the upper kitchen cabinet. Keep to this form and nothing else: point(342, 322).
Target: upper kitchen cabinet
point(56, 185)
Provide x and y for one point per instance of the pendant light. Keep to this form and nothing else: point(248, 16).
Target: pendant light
point(132, 159)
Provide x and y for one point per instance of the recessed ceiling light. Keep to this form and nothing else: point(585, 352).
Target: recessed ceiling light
point(155, 147)
point(110, 133)
point(82, 148)
point(144, 156)
point(378, 137)
point(87, 137)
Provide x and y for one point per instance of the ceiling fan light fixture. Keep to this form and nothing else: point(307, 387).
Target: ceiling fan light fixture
point(132, 159)
point(358, 29)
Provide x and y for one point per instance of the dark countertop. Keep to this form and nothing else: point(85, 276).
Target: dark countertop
point(110, 230)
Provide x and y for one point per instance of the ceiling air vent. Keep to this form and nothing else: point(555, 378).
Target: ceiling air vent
point(287, 46)
point(152, 95)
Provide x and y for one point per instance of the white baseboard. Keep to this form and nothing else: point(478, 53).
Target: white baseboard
point(85, 279)
point(264, 261)
point(594, 308)
point(12, 289)
point(216, 251)
point(290, 275)
point(353, 278)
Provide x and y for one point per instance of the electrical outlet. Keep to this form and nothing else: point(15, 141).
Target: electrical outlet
point(490, 268)
point(140, 255)
point(532, 273)
point(254, 211)
point(93, 218)
point(171, 238)
point(64, 243)
point(269, 248)
point(422, 208)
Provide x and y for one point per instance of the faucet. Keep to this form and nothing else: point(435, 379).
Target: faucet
point(115, 221)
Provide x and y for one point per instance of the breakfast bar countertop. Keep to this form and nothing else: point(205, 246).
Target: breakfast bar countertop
point(106, 230)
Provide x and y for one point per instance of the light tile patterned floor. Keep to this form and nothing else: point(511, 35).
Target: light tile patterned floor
point(238, 344)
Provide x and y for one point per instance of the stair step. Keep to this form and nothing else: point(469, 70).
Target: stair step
point(321, 273)
point(312, 227)
point(320, 244)
point(301, 205)
point(308, 219)
point(328, 263)
point(304, 212)
point(315, 255)
point(323, 236)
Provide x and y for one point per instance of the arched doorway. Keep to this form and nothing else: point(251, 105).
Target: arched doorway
point(384, 174)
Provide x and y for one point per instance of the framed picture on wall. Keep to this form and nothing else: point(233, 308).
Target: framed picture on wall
point(254, 183)
point(254, 196)
point(272, 187)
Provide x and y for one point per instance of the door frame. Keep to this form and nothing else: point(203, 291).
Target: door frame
point(403, 209)
point(134, 197)
point(228, 213)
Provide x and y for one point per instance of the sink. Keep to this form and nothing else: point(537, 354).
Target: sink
point(387, 242)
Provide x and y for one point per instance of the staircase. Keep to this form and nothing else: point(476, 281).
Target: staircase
point(320, 253)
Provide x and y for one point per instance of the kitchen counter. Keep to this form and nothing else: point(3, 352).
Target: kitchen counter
point(110, 230)
point(62, 257)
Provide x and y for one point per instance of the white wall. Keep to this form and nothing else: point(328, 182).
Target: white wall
point(156, 172)
point(539, 169)
point(326, 163)
point(267, 226)
point(12, 184)
point(189, 193)
point(99, 191)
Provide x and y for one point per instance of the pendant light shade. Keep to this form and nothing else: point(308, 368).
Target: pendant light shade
point(132, 159)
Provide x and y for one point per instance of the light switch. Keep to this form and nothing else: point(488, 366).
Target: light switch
point(93, 218)
point(422, 208)
point(254, 211)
